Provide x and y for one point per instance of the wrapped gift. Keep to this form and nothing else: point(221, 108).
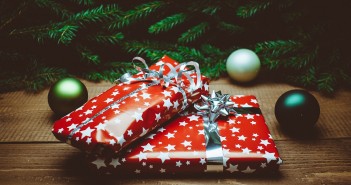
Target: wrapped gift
point(134, 107)
point(226, 135)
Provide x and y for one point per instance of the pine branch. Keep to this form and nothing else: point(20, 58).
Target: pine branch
point(326, 83)
point(139, 12)
point(64, 34)
point(191, 53)
point(167, 23)
point(55, 7)
point(232, 28)
point(99, 14)
point(193, 33)
point(19, 11)
point(84, 2)
point(211, 10)
point(278, 48)
point(252, 8)
point(88, 56)
point(110, 39)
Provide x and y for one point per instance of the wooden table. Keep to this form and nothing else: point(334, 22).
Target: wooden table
point(29, 153)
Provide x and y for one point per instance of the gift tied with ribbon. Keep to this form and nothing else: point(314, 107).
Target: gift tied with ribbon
point(210, 109)
point(174, 77)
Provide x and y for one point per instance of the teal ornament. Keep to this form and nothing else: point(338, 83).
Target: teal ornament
point(67, 95)
point(243, 65)
point(297, 110)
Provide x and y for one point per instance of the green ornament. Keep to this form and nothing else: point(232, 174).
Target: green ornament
point(67, 95)
point(297, 110)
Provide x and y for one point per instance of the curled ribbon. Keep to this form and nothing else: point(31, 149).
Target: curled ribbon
point(212, 107)
point(165, 80)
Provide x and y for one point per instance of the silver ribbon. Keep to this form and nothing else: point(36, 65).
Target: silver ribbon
point(157, 78)
point(210, 109)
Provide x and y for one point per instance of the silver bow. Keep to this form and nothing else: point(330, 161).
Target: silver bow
point(165, 80)
point(212, 107)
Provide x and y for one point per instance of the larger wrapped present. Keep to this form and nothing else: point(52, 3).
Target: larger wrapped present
point(134, 107)
point(227, 135)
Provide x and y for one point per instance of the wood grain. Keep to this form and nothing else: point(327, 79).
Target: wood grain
point(313, 162)
point(29, 153)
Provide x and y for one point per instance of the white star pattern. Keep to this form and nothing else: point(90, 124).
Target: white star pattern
point(232, 168)
point(108, 100)
point(242, 138)
point(178, 164)
point(186, 143)
point(248, 170)
point(158, 117)
point(121, 140)
point(138, 116)
point(71, 127)
point(170, 147)
point(148, 147)
point(234, 129)
point(264, 142)
point(269, 156)
point(145, 96)
point(141, 156)
point(130, 132)
point(99, 163)
point(249, 116)
point(100, 126)
point(163, 157)
point(115, 162)
point(246, 151)
point(166, 93)
point(167, 103)
point(175, 104)
point(169, 135)
point(193, 118)
point(87, 132)
point(183, 123)
point(246, 138)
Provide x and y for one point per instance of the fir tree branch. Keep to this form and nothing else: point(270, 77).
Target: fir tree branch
point(211, 10)
point(94, 15)
point(111, 39)
point(193, 33)
point(84, 2)
point(88, 56)
point(167, 23)
point(252, 8)
point(232, 28)
point(55, 7)
point(278, 48)
point(64, 34)
point(21, 8)
point(139, 12)
point(326, 83)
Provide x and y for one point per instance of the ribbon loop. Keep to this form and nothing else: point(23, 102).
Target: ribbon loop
point(173, 77)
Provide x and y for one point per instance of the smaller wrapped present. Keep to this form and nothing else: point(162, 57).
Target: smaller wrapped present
point(227, 134)
point(134, 107)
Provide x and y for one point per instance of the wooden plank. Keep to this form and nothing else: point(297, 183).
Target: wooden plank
point(305, 161)
point(27, 117)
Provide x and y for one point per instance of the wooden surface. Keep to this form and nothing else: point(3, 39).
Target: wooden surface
point(29, 153)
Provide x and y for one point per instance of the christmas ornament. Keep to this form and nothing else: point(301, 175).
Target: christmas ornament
point(243, 65)
point(67, 95)
point(296, 110)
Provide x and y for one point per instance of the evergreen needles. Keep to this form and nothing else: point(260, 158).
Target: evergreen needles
point(301, 42)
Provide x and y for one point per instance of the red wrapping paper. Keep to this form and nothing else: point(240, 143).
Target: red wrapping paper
point(179, 147)
point(117, 117)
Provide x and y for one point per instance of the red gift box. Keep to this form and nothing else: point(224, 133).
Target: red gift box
point(180, 146)
point(129, 110)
